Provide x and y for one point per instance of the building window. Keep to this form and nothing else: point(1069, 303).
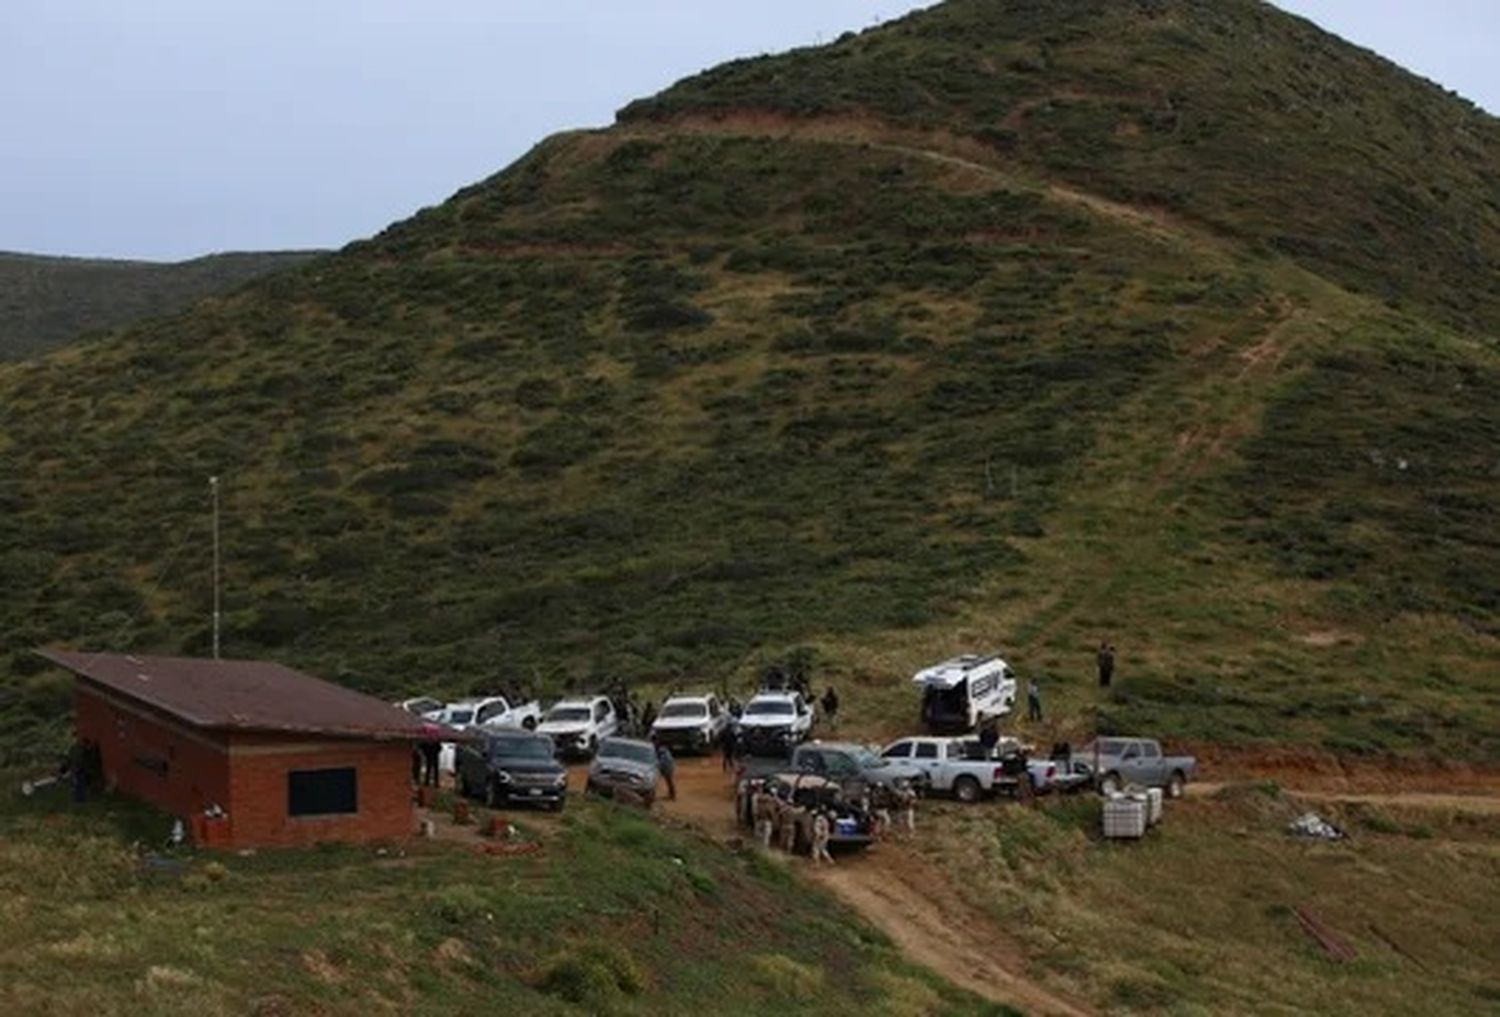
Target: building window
point(322, 792)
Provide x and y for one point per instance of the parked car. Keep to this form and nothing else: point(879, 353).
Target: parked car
point(963, 768)
point(852, 826)
point(511, 767)
point(1118, 763)
point(577, 726)
point(624, 764)
point(690, 723)
point(962, 693)
point(774, 721)
point(423, 706)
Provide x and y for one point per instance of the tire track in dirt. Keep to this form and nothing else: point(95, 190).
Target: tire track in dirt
point(891, 888)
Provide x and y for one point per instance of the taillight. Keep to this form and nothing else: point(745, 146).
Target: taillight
point(999, 773)
point(1051, 772)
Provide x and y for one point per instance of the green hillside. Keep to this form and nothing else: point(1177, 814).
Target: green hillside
point(1000, 325)
point(47, 301)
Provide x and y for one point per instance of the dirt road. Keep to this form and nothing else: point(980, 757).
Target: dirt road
point(895, 891)
point(1475, 803)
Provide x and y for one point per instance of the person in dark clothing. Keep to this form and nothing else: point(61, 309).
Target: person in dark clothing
point(1033, 701)
point(416, 763)
point(989, 737)
point(831, 706)
point(1106, 660)
point(668, 768)
point(729, 741)
point(76, 767)
point(648, 717)
point(431, 752)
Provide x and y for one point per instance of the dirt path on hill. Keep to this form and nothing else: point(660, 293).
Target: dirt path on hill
point(1478, 803)
point(890, 887)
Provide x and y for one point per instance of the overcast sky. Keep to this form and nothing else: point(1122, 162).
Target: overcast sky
point(171, 128)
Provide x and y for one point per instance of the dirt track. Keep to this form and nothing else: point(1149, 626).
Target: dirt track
point(892, 889)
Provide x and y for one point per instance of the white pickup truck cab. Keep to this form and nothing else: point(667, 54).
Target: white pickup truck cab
point(962, 693)
point(577, 726)
point(690, 723)
point(774, 722)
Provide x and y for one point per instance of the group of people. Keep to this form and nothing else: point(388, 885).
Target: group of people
point(779, 818)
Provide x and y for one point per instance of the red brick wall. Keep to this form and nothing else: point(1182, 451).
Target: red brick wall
point(130, 735)
point(258, 790)
point(246, 774)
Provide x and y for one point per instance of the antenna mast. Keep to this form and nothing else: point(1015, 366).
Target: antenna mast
point(213, 485)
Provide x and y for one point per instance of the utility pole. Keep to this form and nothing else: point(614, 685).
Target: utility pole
point(213, 486)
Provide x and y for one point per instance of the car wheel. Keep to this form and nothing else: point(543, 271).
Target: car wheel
point(529, 723)
point(1110, 785)
point(492, 794)
point(967, 790)
point(1176, 784)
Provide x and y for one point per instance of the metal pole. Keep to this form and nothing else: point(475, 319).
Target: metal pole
point(213, 483)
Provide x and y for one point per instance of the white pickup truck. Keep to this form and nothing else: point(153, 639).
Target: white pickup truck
point(958, 766)
point(577, 726)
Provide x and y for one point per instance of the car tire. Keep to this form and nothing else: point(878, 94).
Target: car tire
point(967, 790)
point(492, 793)
point(1111, 784)
point(529, 723)
point(1176, 784)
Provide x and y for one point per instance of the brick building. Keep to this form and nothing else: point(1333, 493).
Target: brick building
point(290, 759)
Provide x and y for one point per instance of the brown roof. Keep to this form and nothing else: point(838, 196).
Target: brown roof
point(246, 695)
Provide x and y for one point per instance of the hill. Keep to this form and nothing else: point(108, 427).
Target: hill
point(47, 301)
point(1008, 324)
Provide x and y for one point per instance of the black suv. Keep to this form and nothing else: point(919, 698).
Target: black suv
point(510, 768)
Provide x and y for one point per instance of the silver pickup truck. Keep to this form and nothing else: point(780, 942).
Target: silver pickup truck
point(1118, 763)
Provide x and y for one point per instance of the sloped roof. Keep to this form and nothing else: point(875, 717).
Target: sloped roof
point(246, 695)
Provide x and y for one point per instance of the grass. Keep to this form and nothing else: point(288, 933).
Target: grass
point(616, 915)
point(50, 301)
point(1199, 916)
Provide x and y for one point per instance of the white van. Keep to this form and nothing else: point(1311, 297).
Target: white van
point(962, 693)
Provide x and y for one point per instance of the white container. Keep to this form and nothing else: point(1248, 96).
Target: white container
point(1124, 819)
point(1154, 805)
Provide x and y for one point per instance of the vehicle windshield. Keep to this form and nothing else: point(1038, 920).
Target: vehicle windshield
point(521, 748)
point(865, 759)
point(567, 713)
point(460, 716)
point(769, 708)
point(676, 711)
point(634, 752)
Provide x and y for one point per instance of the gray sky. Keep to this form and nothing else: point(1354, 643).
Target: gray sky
point(170, 128)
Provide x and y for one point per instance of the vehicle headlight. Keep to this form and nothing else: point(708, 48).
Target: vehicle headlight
point(561, 780)
point(502, 776)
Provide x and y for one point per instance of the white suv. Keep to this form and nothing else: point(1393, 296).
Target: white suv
point(577, 726)
point(774, 722)
point(690, 723)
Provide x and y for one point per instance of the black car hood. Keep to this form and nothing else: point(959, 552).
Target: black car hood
point(519, 765)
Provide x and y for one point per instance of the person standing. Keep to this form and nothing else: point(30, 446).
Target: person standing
point(668, 768)
point(729, 743)
point(1106, 660)
point(831, 707)
point(989, 737)
point(648, 717)
point(1033, 701)
point(822, 832)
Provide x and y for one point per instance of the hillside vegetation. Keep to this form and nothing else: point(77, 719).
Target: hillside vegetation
point(1009, 324)
point(45, 301)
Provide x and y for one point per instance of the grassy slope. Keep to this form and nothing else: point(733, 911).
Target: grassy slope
point(1198, 918)
point(615, 915)
point(665, 400)
point(46, 301)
